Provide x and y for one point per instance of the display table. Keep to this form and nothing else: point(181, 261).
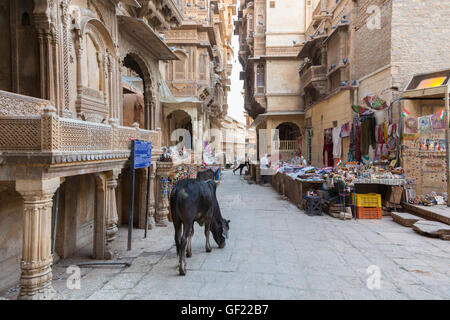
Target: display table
point(296, 189)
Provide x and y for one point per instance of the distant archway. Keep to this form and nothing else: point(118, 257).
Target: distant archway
point(137, 96)
point(179, 119)
point(288, 131)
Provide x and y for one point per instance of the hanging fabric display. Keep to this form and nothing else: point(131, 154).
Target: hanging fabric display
point(361, 110)
point(337, 143)
point(393, 137)
point(345, 130)
point(328, 148)
point(411, 125)
point(424, 124)
point(437, 122)
point(375, 102)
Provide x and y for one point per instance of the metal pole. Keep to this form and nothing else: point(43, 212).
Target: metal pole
point(55, 220)
point(447, 109)
point(147, 204)
point(130, 220)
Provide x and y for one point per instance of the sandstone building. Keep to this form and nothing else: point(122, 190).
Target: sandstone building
point(197, 84)
point(78, 80)
point(268, 32)
point(369, 48)
point(306, 63)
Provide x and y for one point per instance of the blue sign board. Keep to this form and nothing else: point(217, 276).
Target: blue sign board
point(142, 154)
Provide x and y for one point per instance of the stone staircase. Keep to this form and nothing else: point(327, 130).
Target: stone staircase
point(427, 222)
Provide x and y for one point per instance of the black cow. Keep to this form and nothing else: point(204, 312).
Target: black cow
point(206, 175)
point(190, 201)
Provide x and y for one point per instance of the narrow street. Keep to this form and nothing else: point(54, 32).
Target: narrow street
point(275, 251)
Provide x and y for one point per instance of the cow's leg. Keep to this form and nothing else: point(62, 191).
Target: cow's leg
point(189, 248)
point(178, 231)
point(187, 228)
point(207, 232)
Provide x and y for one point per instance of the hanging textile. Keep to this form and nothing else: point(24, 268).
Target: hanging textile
point(411, 125)
point(375, 102)
point(345, 130)
point(328, 148)
point(424, 125)
point(337, 143)
point(361, 110)
point(437, 123)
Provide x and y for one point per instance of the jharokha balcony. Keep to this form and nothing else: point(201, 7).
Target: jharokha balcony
point(313, 76)
point(32, 133)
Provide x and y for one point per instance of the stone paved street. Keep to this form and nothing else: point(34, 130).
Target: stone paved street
point(275, 251)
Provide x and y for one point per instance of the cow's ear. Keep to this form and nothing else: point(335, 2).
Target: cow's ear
point(229, 221)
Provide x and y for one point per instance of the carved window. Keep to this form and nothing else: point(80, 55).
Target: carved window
point(93, 60)
point(169, 72)
point(202, 66)
point(180, 68)
point(260, 76)
point(26, 20)
point(191, 65)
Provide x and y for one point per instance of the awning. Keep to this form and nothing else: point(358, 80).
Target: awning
point(309, 45)
point(139, 29)
point(336, 29)
point(428, 85)
point(283, 113)
point(263, 117)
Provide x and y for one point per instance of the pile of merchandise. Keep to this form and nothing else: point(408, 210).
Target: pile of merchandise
point(432, 199)
point(379, 173)
point(184, 172)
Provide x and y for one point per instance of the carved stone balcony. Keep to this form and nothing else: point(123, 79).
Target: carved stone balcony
point(315, 76)
point(31, 133)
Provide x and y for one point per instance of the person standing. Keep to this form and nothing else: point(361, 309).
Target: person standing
point(265, 165)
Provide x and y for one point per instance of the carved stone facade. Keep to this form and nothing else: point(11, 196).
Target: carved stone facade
point(63, 76)
point(271, 34)
point(198, 83)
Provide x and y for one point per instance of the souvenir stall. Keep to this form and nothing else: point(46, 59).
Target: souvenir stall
point(425, 152)
point(424, 157)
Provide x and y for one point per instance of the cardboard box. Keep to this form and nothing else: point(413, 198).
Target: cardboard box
point(394, 195)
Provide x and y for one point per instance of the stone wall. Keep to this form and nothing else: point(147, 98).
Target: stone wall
point(11, 225)
point(283, 85)
point(371, 46)
point(420, 33)
point(323, 114)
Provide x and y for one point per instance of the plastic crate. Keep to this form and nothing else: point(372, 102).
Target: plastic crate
point(369, 213)
point(370, 200)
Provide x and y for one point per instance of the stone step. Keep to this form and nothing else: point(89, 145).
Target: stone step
point(437, 213)
point(405, 219)
point(433, 229)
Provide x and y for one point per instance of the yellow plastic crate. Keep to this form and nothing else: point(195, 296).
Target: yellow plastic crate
point(371, 200)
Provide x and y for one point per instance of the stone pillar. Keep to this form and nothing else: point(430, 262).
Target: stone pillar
point(142, 197)
point(111, 212)
point(36, 265)
point(163, 171)
point(152, 210)
point(99, 250)
point(106, 218)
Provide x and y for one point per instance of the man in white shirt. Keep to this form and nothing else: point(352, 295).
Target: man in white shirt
point(265, 165)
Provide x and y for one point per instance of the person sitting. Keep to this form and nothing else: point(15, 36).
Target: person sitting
point(241, 167)
point(265, 165)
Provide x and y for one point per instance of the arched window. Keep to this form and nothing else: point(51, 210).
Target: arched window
point(93, 64)
point(26, 20)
